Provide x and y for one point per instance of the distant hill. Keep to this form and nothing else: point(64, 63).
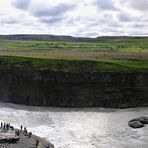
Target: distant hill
point(61, 37)
point(42, 37)
point(120, 37)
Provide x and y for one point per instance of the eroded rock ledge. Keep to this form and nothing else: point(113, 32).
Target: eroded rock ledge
point(9, 139)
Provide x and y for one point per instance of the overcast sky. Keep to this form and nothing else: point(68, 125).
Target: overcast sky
point(74, 17)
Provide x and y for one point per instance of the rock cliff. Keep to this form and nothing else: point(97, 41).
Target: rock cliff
point(31, 86)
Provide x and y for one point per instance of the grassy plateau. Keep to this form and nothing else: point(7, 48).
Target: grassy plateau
point(76, 55)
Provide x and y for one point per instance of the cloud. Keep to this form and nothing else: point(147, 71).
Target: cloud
point(141, 5)
point(51, 20)
point(52, 11)
point(9, 21)
point(106, 5)
point(45, 12)
point(40, 9)
point(138, 25)
point(77, 18)
point(123, 17)
point(21, 4)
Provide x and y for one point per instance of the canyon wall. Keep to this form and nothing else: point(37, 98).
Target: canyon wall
point(31, 86)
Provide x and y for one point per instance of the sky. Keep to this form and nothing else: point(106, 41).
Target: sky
point(85, 18)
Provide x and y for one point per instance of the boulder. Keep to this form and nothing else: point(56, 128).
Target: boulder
point(135, 119)
point(143, 120)
point(135, 124)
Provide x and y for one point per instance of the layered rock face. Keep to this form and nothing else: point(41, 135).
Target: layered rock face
point(30, 86)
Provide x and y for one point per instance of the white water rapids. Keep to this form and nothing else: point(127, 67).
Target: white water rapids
point(79, 128)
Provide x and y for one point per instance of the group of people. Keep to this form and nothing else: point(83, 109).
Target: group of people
point(6, 126)
point(25, 132)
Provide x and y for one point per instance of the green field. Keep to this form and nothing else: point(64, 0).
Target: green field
point(105, 54)
point(100, 45)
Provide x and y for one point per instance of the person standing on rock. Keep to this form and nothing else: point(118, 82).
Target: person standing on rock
point(1, 124)
point(30, 134)
point(37, 143)
point(17, 133)
point(7, 126)
point(11, 127)
point(25, 131)
point(21, 127)
point(4, 126)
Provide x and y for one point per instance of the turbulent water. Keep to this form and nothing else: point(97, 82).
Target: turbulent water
point(79, 128)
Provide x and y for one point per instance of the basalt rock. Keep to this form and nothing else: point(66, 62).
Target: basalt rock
point(9, 139)
point(135, 124)
point(143, 120)
point(138, 122)
point(31, 86)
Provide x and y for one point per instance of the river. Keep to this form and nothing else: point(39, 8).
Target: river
point(79, 128)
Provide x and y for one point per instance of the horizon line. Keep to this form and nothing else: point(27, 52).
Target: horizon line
point(99, 36)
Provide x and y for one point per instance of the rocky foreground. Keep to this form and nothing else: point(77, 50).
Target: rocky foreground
point(11, 139)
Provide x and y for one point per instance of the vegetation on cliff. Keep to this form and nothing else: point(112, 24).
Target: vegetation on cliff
point(75, 66)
